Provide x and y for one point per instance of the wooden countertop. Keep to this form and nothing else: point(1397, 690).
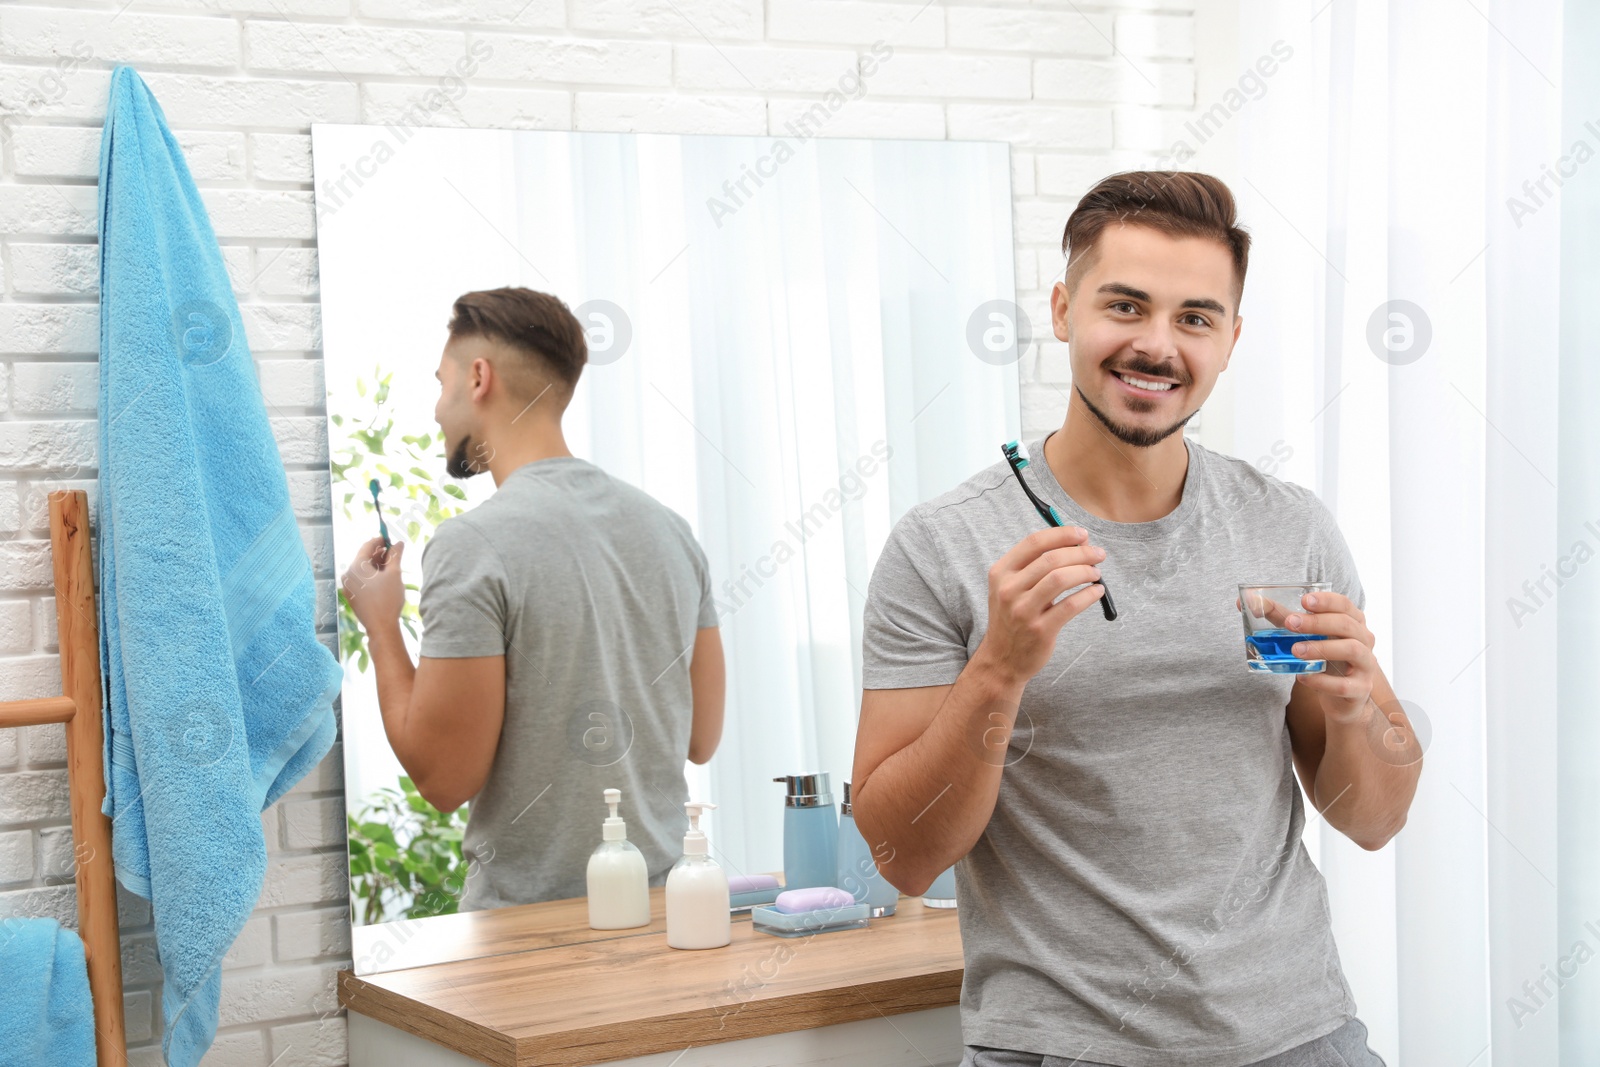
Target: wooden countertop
point(470, 935)
point(571, 1005)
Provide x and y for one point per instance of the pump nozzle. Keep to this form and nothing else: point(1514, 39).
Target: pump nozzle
point(694, 842)
point(614, 828)
point(695, 809)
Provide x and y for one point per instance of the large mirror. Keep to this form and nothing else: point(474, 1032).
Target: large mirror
point(790, 342)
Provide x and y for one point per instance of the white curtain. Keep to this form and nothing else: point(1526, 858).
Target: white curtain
point(783, 345)
point(1417, 331)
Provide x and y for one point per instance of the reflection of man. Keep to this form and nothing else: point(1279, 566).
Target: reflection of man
point(569, 635)
point(1121, 795)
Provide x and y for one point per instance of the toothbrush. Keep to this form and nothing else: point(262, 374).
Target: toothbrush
point(383, 527)
point(1016, 454)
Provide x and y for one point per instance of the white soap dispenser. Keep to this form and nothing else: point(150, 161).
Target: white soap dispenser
point(697, 892)
point(619, 884)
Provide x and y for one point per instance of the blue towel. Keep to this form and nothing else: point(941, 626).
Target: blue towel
point(46, 1015)
point(219, 693)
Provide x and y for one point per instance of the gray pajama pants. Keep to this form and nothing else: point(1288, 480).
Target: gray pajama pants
point(1345, 1047)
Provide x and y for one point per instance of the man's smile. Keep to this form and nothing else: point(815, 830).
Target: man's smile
point(1138, 385)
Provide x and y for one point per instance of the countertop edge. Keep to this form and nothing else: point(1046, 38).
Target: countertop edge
point(584, 1046)
point(434, 1024)
point(762, 1017)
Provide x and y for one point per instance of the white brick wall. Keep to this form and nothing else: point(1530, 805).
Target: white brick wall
point(1079, 89)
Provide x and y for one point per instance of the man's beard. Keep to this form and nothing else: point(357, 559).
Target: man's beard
point(459, 466)
point(1136, 438)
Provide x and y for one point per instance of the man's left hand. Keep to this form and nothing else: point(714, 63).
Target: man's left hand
point(1345, 686)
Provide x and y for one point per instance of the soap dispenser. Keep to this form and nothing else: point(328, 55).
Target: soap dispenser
point(858, 869)
point(619, 883)
point(697, 892)
point(810, 832)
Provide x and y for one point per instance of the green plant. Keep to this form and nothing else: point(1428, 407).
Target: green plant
point(405, 856)
point(410, 469)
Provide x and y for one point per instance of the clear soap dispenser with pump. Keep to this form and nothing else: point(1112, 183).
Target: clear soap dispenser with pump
point(619, 883)
point(697, 892)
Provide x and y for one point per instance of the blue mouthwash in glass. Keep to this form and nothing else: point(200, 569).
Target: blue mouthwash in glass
point(1270, 650)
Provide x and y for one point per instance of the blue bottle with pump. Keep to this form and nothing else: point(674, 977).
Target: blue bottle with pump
point(857, 870)
point(810, 831)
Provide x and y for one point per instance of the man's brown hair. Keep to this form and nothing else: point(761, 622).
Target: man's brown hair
point(1180, 203)
point(535, 324)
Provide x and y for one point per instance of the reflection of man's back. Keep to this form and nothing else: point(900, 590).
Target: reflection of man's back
point(594, 592)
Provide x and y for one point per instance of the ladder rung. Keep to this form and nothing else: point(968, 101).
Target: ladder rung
point(36, 712)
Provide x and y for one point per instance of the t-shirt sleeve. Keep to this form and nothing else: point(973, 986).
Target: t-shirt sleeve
point(909, 633)
point(463, 599)
point(706, 612)
point(708, 603)
point(1337, 565)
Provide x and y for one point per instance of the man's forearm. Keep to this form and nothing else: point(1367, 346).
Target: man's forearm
point(1362, 794)
point(925, 806)
point(391, 664)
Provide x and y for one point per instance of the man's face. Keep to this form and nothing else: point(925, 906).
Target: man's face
point(1152, 306)
point(459, 418)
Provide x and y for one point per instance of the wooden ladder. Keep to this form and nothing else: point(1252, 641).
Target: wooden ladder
point(80, 710)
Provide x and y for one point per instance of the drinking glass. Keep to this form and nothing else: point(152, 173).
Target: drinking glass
point(942, 893)
point(1267, 641)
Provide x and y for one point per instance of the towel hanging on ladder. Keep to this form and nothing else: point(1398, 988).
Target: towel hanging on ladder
point(219, 693)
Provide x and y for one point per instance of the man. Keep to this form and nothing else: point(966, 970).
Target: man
point(569, 634)
point(1120, 794)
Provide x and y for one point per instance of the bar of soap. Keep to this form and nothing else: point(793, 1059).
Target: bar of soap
point(794, 901)
point(750, 883)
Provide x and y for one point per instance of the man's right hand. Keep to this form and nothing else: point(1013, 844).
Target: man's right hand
point(1023, 621)
point(373, 584)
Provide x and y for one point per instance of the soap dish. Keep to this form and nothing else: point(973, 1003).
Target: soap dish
point(803, 923)
point(746, 901)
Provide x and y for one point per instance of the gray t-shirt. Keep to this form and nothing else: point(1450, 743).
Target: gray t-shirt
point(1140, 895)
point(593, 591)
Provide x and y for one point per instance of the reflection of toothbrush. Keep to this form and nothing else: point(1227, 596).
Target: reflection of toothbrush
point(1016, 454)
point(382, 526)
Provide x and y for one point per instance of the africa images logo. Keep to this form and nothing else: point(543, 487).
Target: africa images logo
point(202, 332)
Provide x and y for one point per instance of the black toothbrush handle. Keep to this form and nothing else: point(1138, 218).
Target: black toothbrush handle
point(1106, 605)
